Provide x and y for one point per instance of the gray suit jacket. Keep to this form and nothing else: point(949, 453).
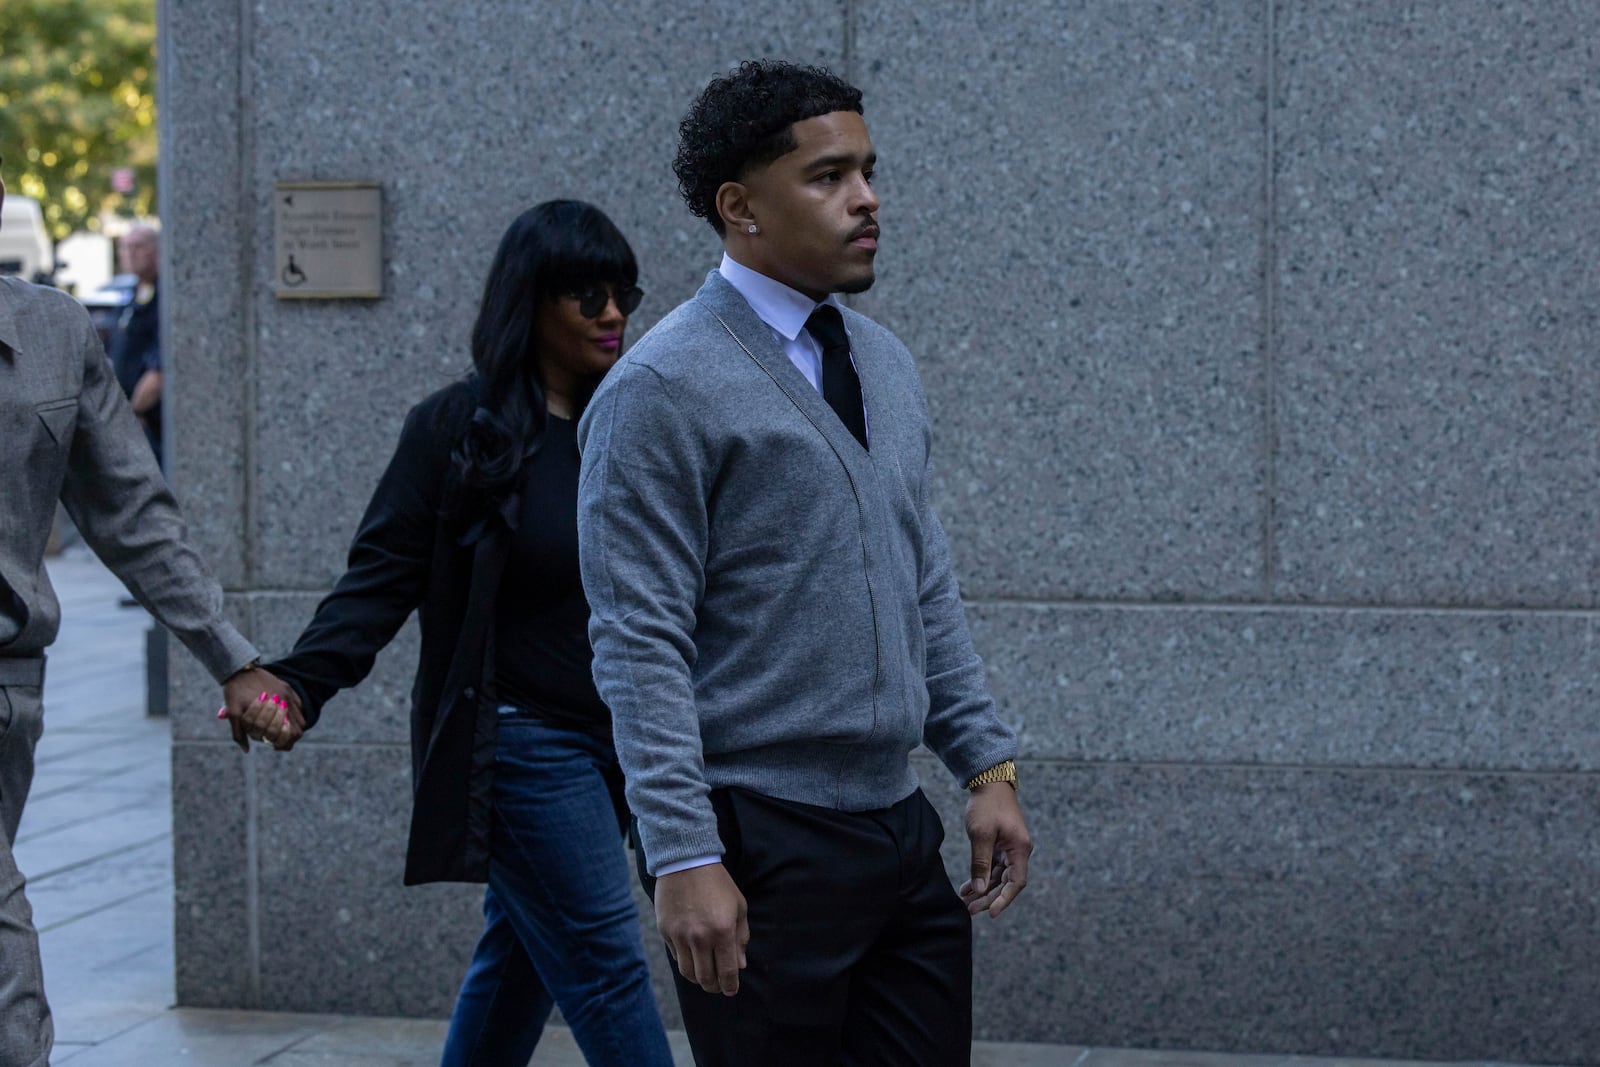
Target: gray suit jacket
point(66, 433)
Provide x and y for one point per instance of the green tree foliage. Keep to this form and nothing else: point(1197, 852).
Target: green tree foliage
point(77, 101)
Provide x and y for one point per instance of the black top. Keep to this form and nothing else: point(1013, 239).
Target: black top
point(543, 662)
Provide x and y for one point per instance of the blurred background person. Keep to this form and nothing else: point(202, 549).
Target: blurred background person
point(135, 343)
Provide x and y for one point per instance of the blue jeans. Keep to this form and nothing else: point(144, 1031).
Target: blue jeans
point(559, 921)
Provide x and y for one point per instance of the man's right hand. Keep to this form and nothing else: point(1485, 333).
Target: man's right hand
point(701, 916)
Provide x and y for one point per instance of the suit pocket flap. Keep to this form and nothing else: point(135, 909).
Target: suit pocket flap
point(58, 417)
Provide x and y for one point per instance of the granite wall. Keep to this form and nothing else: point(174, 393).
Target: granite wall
point(1260, 340)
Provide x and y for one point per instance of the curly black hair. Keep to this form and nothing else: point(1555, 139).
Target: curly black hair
point(743, 119)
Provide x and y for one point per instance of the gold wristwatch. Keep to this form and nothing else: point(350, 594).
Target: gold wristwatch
point(1000, 772)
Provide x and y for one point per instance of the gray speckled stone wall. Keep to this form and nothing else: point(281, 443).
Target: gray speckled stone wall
point(1259, 339)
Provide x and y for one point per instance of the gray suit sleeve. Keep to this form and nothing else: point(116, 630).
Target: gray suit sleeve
point(116, 495)
point(642, 537)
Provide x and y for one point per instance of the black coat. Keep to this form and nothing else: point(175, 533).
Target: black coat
point(422, 548)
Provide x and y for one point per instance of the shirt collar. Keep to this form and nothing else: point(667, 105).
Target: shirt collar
point(780, 307)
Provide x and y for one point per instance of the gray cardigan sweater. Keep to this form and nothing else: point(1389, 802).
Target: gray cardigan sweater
point(772, 605)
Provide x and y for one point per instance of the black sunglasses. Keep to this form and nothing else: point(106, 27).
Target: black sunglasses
point(593, 300)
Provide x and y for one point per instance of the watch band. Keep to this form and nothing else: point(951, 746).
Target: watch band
point(1000, 772)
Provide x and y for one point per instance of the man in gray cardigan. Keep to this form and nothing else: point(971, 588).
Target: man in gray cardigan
point(67, 433)
point(775, 621)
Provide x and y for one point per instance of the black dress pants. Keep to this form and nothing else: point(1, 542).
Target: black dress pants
point(860, 950)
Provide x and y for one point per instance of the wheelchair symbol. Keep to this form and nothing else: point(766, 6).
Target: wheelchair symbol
point(292, 274)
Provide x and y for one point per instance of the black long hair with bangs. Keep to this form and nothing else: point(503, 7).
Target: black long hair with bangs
point(560, 246)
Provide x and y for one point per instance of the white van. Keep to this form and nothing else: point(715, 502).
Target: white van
point(25, 248)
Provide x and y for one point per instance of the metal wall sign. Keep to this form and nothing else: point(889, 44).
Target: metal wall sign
point(327, 240)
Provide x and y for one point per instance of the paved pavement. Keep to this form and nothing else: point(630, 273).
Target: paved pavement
point(96, 843)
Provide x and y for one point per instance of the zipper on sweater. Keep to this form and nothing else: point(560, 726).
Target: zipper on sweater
point(861, 525)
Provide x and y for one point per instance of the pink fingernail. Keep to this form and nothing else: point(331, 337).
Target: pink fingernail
point(222, 712)
point(263, 696)
point(286, 720)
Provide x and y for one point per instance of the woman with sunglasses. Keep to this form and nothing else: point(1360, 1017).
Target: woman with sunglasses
point(474, 526)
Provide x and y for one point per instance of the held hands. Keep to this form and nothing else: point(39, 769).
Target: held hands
point(259, 706)
point(1000, 849)
point(701, 916)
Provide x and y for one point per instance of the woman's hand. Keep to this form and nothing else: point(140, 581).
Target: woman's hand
point(259, 706)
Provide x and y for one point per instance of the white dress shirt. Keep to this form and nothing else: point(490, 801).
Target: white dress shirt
point(785, 312)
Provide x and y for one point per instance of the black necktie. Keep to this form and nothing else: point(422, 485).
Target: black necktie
point(840, 386)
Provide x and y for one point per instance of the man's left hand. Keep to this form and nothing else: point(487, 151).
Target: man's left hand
point(1001, 846)
point(252, 719)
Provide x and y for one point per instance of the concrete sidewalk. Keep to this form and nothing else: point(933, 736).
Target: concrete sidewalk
point(96, 843)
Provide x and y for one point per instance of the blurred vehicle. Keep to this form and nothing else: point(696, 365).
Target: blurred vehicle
point(107, 303)
point(83, 261)
point(26, 250)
